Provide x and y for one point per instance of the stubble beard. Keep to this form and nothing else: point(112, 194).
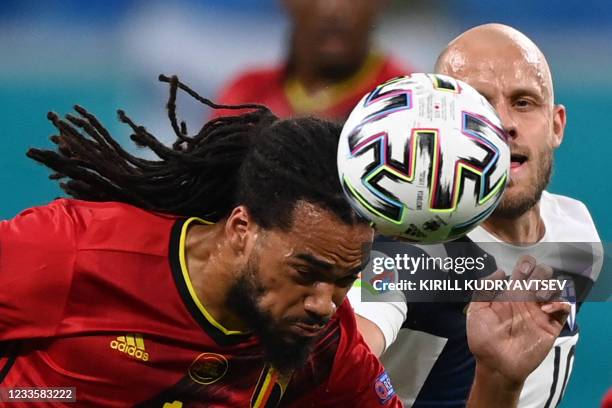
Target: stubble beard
point(514, 207)
point(284, 351)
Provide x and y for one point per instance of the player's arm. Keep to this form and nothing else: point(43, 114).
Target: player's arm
point(378, 322)
point(491, 389)
point(372, 335)
point(37, 253)
point(510, 339)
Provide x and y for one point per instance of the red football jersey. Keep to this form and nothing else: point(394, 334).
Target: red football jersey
point(97, 296)
point(286, 97)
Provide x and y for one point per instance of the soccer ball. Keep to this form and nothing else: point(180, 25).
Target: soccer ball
point(424, 158)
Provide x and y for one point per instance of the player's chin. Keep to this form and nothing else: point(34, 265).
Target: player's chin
point(518, 191)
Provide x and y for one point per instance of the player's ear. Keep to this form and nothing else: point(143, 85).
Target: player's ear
point(238, 229)
point(559, 120)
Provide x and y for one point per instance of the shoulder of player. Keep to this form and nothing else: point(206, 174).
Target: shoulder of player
point(344, 314)
point(561, 206)
point(85, 211)
point(54, 218)
point(558, 210)
point(254, 79)
point(347, 330)
point(114, 225)
point(392, 67)
point(340, 327)
point(329, 344)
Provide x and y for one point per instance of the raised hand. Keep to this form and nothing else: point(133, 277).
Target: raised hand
point(511, 332)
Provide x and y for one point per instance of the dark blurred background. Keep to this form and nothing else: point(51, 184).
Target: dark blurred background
point(107, 55)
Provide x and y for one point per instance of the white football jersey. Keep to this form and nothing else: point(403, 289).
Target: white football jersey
point(427, 356)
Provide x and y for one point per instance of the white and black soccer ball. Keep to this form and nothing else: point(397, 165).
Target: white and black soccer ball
point(424, 158)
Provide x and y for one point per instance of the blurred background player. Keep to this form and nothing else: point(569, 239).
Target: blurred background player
point(330, 64)
point(512, 73)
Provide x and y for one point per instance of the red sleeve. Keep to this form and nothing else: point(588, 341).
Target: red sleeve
point(37, 253)
point(358, 379)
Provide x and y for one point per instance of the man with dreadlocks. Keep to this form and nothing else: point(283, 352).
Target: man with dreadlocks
point(213, 277)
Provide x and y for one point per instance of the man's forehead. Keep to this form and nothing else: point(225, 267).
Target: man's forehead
point(320, 233)
point(502, 69)
point(497, 54)
point(330, 256)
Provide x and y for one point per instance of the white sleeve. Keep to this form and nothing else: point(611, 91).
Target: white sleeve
point(388, 314)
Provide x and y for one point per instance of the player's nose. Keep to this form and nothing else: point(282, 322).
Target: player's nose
point(320, 301)
point(508, 120)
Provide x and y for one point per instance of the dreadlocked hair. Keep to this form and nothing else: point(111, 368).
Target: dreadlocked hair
point(252, 159)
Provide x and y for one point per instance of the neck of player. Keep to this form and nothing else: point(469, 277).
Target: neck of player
point(212, 272)
point(315, 79)
point(527, 228)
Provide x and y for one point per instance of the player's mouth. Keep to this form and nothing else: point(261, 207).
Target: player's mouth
point(517, 161)
point(307, 330)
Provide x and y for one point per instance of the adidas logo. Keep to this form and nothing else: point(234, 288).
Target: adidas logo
point(132, 345)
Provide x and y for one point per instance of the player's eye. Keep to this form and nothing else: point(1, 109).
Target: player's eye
point(304, 277)
point(523, 103)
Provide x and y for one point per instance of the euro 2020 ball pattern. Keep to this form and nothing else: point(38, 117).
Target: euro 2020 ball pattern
point(424, 158)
